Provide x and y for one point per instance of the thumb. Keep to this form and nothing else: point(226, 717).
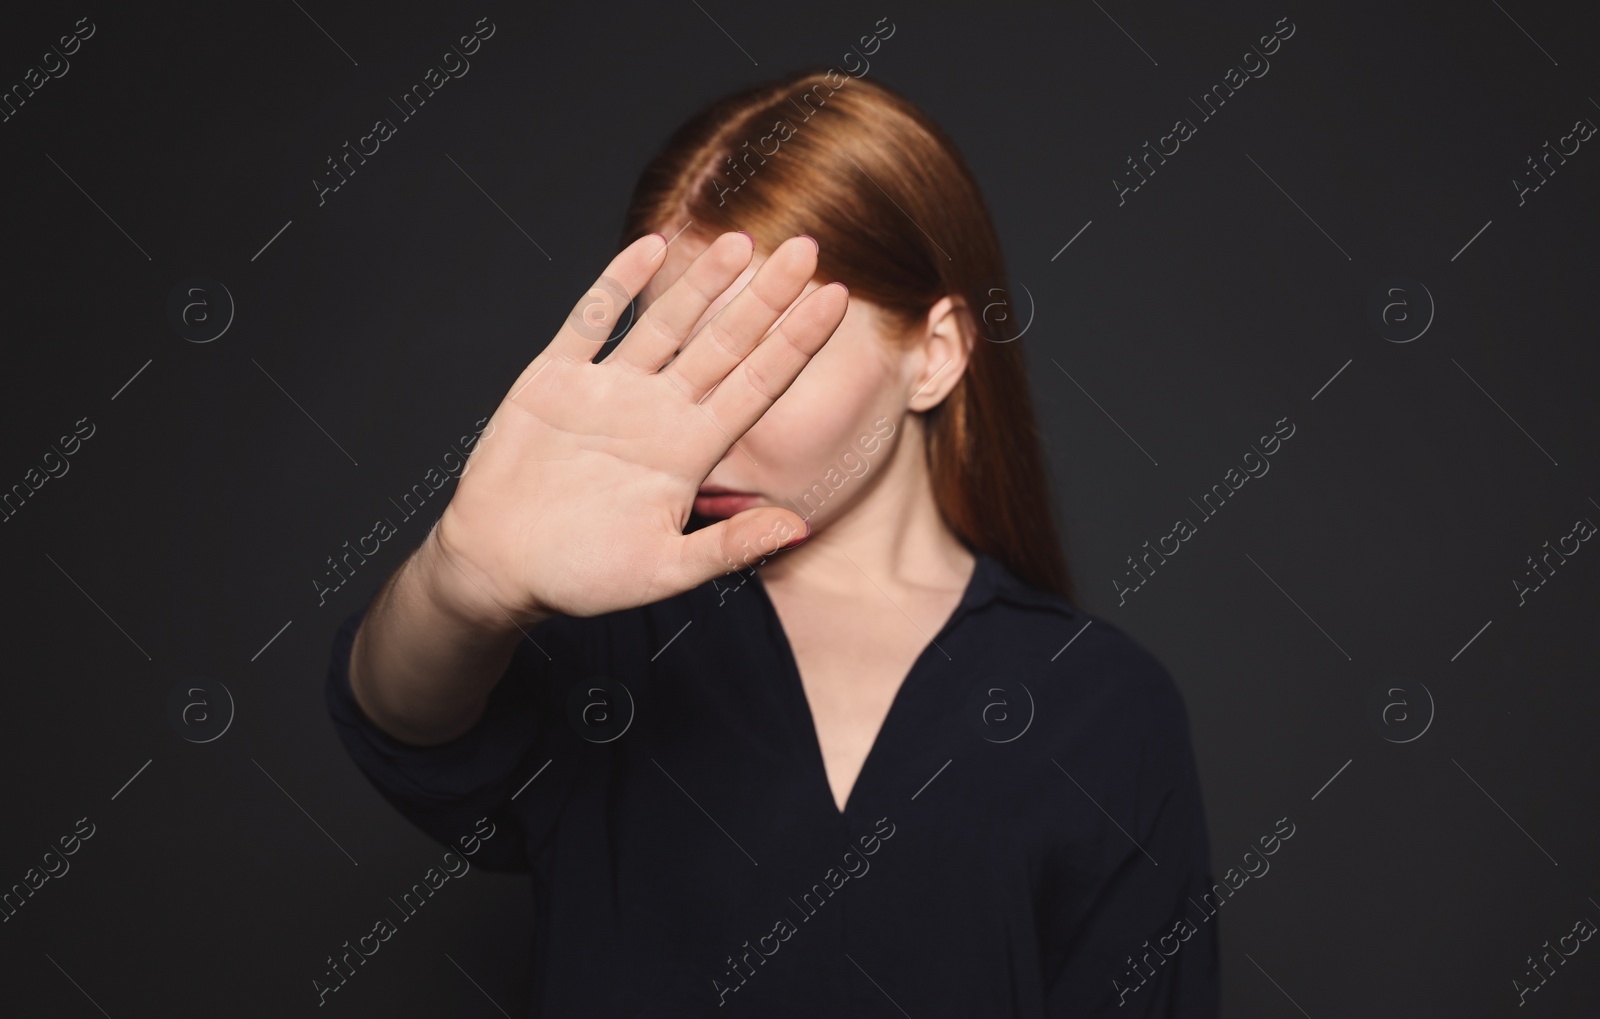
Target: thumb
point(740, 542)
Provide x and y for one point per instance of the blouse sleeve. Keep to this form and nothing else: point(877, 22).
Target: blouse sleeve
point(1138, 943)
point(449, 789)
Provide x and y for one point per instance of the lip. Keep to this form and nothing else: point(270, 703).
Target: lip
point(719, 503)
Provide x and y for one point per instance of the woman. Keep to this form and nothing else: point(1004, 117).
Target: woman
point(893, 770)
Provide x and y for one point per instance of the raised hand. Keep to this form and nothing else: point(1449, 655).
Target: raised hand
point(575, 501)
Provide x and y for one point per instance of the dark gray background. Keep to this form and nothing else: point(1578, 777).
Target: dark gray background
point(1217, 300)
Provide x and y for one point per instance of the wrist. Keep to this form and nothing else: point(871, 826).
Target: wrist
point(451, 585)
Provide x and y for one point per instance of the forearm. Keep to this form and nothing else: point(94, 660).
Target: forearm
point(429, 650)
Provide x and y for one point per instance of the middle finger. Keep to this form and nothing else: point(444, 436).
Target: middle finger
point(665, 327)
point(736, 330)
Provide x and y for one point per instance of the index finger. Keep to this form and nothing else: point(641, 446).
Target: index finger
point(600, 308)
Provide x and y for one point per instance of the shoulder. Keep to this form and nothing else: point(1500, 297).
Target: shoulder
point(1109, 665)
point(1083, 663)
point(1090, 646)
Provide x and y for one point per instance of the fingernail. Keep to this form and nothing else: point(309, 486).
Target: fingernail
point(813, 241)
point(748, 234)
point(663, 239)
point(800, 540)
point(841, 286)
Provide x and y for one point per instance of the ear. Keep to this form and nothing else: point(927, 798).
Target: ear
point(939, 356)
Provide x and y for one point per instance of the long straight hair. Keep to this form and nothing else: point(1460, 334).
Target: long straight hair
point(901, 221)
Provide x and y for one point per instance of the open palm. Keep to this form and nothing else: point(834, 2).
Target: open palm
point(574, 502)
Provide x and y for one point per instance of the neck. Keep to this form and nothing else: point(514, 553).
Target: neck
point(892, 532)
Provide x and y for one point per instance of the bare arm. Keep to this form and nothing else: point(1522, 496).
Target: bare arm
point(426, 656)
point(574, 501)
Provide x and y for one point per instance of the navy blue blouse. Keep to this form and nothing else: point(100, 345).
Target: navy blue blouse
point(1025, 839)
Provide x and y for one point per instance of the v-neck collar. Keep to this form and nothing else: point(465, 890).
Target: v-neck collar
point(989, 580)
